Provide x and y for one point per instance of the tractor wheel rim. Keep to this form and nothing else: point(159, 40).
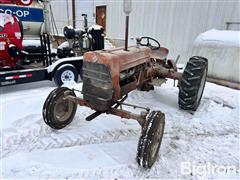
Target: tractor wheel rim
point(63, 110)
point(202, 85)
point(67, 76)
point(156, 141)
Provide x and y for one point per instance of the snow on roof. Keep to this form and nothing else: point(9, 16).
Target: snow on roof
point(219, 38)
point(5, 18)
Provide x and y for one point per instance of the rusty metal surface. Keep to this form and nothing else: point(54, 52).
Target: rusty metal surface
point(122, 64)
point(77, 100)
point(127, 115)
point(162, 72)
point(171, 64)
point(109, 75)
point(114, 111)
point(118, 60)
point(118, 57)
point(159, 53)
point(128, 88)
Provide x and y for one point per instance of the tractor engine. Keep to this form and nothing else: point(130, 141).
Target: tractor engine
point(81, 40)
point(109, 75)
point(11, 35)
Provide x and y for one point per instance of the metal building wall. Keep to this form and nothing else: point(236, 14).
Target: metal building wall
point(62, 12)
point(174, 23)
point(84, 7)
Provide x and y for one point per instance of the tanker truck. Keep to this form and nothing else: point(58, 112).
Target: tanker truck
point(30, 12)
point(34, 22)
point(25, 45)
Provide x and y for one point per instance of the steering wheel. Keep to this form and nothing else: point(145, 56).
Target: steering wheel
point(148, 44)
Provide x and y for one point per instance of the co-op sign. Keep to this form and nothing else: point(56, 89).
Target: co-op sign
point(24, 13)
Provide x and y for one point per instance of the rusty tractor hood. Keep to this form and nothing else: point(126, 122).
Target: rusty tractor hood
point(118, 60)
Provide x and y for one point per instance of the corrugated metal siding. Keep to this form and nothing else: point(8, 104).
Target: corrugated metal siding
point(84, 7)
point(62, 12)
point(174, 23)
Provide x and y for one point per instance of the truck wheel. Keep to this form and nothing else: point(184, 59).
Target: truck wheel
point(57, 112)
point(150, 139)
point(192, 84)
point(65, 74)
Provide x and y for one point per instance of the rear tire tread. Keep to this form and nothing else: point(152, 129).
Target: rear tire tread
point(191, 82)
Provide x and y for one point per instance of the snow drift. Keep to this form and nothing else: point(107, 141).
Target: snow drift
point(222, 49)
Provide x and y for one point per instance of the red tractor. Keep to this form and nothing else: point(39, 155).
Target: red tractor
point(108, 77)
point(11, 36)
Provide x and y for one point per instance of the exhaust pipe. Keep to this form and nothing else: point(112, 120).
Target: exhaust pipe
point(126, 33)
point(127, 8)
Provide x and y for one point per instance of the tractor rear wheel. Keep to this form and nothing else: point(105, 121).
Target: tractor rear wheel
point(150, 139)
point(58, 112)
point(192, 84)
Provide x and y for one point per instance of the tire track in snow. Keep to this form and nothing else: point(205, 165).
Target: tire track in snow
point(46, 171)
point(29, 129)
point(72, 139)
point(37, 136)
point(33, 135)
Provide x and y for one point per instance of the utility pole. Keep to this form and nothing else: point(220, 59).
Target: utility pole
point(127, 8)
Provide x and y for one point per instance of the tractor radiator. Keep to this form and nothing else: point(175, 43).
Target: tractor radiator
point(97, 85)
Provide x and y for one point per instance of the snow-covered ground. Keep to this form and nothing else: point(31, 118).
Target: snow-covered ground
point(106, 147)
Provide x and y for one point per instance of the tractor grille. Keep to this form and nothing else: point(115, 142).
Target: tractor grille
point(97, 85)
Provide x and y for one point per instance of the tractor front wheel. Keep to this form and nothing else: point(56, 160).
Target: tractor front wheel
point(150, 139)
point(192, 84)
point(58, 112)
